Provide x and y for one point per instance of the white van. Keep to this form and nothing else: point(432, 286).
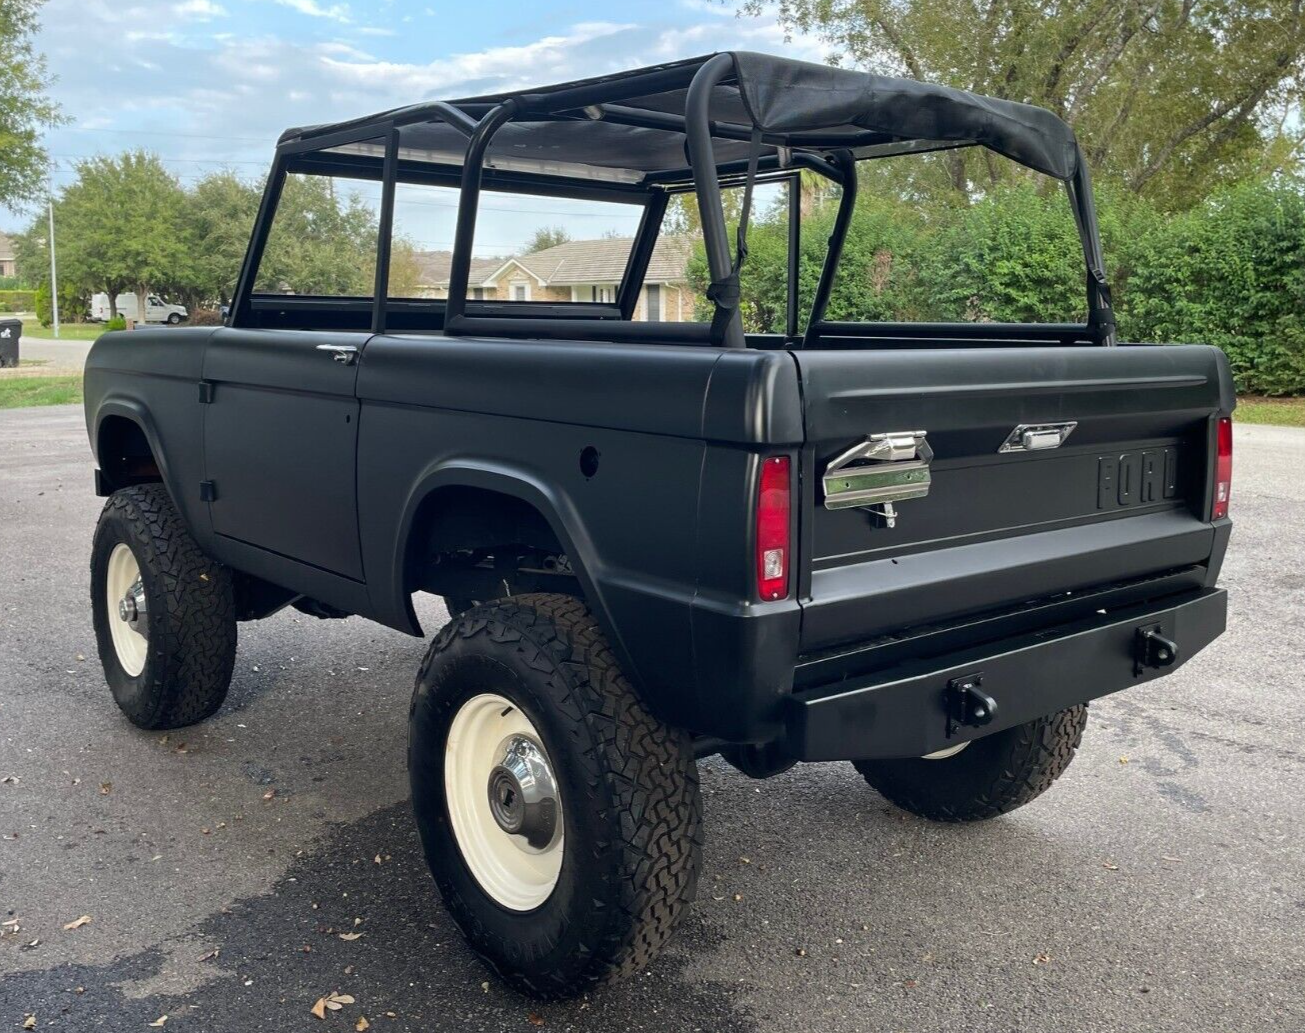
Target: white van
point(156, 309)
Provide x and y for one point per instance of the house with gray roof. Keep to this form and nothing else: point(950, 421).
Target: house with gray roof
point(577, 270)
point(8, 265)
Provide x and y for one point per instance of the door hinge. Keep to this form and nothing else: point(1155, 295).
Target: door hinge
point(205, 392)
point(207, 491)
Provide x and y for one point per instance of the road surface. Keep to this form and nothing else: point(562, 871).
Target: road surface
point(1159, 886)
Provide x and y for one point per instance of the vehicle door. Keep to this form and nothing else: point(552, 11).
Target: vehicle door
point(280, 442)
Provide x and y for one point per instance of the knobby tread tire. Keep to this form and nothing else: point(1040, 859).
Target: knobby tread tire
point(191, 606)
point(990, 777)
point(636, 777)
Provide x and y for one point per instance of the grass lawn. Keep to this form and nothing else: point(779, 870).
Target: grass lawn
point(67, 331)
point(1286, 412)
point(17, 392)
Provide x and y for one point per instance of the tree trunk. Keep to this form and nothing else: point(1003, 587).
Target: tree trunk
point(142, 292)
point(112, 294)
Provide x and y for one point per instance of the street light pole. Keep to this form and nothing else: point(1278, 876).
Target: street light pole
point(54, 276)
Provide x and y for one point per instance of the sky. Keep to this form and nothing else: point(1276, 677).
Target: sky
point(210, 84)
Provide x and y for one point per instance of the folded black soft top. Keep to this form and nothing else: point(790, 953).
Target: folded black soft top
point(795, 104)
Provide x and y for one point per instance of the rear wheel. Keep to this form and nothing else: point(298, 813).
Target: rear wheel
point(561, 821)
point(990, 776)
point(164, 613)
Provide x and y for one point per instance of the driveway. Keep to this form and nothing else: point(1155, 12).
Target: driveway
point(69, 355)
point(1157, 887)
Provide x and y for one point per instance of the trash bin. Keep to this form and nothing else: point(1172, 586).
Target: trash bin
point(10, 331)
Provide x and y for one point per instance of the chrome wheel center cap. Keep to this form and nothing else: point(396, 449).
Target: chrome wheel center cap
point(131, 607)
point(523, 793)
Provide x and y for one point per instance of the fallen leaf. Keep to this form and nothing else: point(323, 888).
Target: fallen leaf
point(269, 794)
point(362, 1024)
point(210, 955)
point(1110, 867)
point(535, 1019)
point(485, 986)
point(29, 1022)
point(162, 1020)
point(1042, 959)
point(738, 896)
point(77, 923)
point(377, 858)
point(106, 788)
point(80, 656)
point(1123, 760)
point(319, 1009)
point(9, 780)
point(910, 984)
point(801, 952)
point(350, 936)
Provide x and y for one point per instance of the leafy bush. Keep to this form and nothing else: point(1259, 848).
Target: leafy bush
point(205, 317)
point(72, 305)
point(18, 300)
point(118, 322)
point(1229, 272)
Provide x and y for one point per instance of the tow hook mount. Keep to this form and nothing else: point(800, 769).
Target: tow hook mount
point(1152, 650)
point(967, 705)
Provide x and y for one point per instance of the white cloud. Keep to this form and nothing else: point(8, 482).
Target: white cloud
point(336, 12)
point(199, 10)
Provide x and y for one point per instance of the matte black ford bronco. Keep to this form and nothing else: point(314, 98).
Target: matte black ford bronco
point(921, 548)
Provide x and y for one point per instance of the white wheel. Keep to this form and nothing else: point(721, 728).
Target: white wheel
point(129, 618)
point(503, 802)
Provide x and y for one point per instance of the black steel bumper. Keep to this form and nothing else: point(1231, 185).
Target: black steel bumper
point(921, 707)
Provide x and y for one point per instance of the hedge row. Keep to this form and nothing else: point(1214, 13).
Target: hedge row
point(17, 301)
point(1230, 272)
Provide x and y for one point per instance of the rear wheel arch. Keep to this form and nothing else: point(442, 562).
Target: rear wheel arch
point(454, 500)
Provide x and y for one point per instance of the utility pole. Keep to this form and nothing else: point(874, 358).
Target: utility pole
point(54, 276)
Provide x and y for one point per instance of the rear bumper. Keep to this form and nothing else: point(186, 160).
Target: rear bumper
point(903, 711)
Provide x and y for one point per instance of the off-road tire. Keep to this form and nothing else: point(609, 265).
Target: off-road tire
point(991, 776)
point(632, 813)
point(192, 614)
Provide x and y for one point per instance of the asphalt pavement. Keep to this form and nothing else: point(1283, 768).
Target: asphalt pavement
point(57, 355)
point(1159, 886)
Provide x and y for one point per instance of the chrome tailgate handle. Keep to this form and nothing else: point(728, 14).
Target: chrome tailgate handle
point(880, 471)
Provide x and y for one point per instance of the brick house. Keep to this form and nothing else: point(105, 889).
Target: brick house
point(579, 270)
point(8, 267)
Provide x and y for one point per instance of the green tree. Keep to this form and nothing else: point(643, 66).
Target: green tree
point(1170, 98)
point(319, 244)
point(25, 110)
point(122, 226)
point(546, 237)
point(219, 216)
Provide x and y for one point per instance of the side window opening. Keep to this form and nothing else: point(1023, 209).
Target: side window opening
point(679, 265)
point(323, 238)
point(527, 247)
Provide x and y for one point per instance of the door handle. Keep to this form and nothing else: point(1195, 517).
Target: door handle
point(343, 353)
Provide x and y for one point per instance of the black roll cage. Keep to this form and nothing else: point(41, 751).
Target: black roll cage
point(312, 153)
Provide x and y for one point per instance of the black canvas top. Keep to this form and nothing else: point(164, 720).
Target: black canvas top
point(795, 103)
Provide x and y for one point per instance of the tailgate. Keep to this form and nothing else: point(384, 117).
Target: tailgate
point(1123, 496)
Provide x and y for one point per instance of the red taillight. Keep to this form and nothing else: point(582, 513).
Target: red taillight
point(1223, 469)
point(773, 547)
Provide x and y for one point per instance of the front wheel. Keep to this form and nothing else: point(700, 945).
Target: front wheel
point(989, 776)
point(164, 613)
point(174, 318)
point(561, 820)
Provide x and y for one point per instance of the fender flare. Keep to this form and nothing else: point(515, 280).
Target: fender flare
point(556, 508)
point(134, 411)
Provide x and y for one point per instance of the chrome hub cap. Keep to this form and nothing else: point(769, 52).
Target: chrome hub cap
point(503, 802)
point(126, 597)
point(523, 794)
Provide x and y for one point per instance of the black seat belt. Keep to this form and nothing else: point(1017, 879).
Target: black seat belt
point(725, 294)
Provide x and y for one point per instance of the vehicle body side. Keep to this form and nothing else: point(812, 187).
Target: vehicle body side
point(660, 560)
